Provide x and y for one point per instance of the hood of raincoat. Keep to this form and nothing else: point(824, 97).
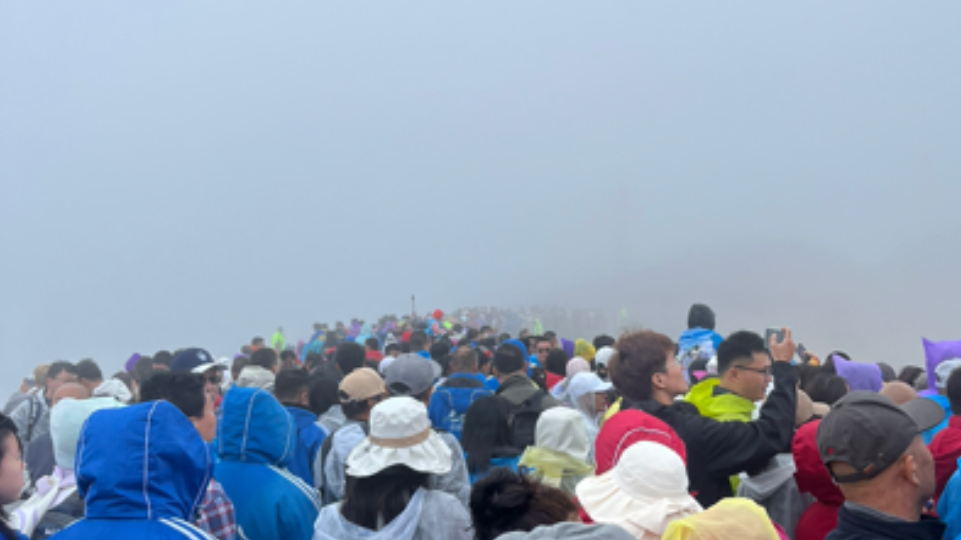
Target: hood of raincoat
point(725, 407)
point(332, 525)
point(584, 349)
point(811, 474)
point(520, 345)
point(694, 337)
point(255, 428)
point(142, 462)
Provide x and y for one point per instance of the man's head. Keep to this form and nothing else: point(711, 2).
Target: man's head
point(360, 391)
point(288, 359)
point(292, 386)
point(464, 360)
point(542, 348)
point(372, 344)
point(162, 360)
point(508, 361)
point(239, 364)
point(187, 392)
point(602, 341)
point(700, 316)
point(71, 390)
point(418, 341)
point(643, 367)
point(265, 358)
point(89, 374)
point(349, 356)
point(744, 365)
point(874, 451)
point(201, 362)
point(413, 376)
point(392, 350)
point(257, 343)
point(58, 374)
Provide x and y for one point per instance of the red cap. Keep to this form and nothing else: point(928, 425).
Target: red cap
point(628, 427)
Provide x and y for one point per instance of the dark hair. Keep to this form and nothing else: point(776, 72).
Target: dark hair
point(88, 370)
point(505, 501)
point(256, 339)
point(372, 343)
point(637, 357)
point(7, 429)
point(909, 374)
point(125, 378)
point(163, 357)
point(556, 362)
point(603, 340)
point(350, 356)
point(55, 368)
point(265, 358)
point(550, 334)
point(464, 360)
point(238, 366)
point(827, 388)
point(440, 350)
point(509, 358)
point(393, 347)
point(143, 369)
point(287, 354)
point(503, 337)
point(807, 373)
point(700, 316)
point(184, 390)
point(738, 347)
point(953, 390)
point(418, 340)
point(486, 427)
point(887, 372)
point(353, 409)
point(322, 395)
point(828, 365)
point(290, 383)
point(372, 501)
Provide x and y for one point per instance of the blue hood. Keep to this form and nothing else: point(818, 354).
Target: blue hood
point(696, 336)
point(519, 344)
point(255, 428)
point(142, 462)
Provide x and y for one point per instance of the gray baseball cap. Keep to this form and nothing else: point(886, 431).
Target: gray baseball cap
point(411, 375)
point(870, 433)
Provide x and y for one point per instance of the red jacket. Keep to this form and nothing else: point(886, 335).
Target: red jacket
point(813, 477)
point(946, 449)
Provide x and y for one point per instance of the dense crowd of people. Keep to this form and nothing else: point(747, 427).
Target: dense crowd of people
point(486, 424)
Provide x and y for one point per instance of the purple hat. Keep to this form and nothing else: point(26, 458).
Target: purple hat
point(131, 362)
point(858, 376)
point(936, 352)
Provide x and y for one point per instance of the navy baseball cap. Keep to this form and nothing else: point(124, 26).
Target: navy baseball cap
point(193, 361)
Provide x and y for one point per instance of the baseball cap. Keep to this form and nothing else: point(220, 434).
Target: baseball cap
point(193, 361)
point(361, 384)
point(411, 375)
point(870, 433)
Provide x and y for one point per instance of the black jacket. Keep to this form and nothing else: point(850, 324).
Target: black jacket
point(854, 525)
point(718, 450)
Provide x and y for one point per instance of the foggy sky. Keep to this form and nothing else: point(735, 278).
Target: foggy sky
point(181, 173)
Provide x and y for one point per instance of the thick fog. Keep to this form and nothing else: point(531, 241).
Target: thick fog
point(184, 173)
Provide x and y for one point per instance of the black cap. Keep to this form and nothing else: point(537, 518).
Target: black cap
point(870, 433)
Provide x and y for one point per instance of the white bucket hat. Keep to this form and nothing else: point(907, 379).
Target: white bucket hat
point(645, 491)
point(400, 434)
point(587, 383)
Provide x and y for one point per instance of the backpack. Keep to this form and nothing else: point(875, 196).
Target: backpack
point(448, 406)
point(59, 517)
point(324, 451)
point(524, 419)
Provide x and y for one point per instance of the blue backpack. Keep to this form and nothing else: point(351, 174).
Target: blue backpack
point(449, 405)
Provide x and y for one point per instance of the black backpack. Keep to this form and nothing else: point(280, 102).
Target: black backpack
point(325, 448)
point(524, 420)
point(60, 517)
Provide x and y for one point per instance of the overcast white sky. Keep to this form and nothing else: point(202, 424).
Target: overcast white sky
point(186, 173)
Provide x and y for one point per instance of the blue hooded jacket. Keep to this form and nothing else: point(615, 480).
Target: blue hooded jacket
point(142, 471)
point(255, 440)
point(448, 405)
point(309, 439)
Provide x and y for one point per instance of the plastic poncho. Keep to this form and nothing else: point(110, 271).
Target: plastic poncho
point(737, 518)
point(559, 457)
point(429, 515)
point(277, 341)
point(584, 349)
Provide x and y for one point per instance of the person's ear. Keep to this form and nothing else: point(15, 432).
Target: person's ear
point(911, 470)
point(657, 380)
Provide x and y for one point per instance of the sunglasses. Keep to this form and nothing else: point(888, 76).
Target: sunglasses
point(214, 378)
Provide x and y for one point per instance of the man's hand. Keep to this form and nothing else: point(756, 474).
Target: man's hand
point(782, 351)
point(25, 386)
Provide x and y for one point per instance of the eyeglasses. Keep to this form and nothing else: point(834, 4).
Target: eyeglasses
point(766, 372)
point(214, 378)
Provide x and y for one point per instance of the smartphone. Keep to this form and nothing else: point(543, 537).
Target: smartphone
point(773, 332)
point(802, 353)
